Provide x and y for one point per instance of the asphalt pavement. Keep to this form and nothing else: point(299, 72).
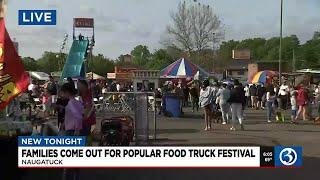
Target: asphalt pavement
point(188, 131)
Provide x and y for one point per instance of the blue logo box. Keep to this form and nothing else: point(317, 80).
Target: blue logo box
point(288, 156)
point(37, 17)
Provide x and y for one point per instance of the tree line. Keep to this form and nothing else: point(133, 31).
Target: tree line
point(195, 32)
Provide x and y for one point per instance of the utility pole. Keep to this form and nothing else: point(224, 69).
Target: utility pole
point(213, 52)
point(280, 47)
point(293, 61)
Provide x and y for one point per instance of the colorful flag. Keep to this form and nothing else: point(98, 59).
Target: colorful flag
point(13, 77)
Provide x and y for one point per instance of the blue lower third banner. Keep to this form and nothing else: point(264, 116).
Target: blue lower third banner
point(47, 141)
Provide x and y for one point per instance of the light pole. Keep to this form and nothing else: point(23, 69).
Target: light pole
point(280, 46)
point(213, 52)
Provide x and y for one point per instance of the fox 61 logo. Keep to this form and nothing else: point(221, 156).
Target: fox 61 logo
point(288, 156)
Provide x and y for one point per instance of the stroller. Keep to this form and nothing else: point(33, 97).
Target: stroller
point(116, 131)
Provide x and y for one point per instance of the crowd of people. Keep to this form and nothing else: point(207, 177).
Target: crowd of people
point(232, 99)
point(74, 106)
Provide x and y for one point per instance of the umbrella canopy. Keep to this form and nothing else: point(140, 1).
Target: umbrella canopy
point(263, 77)
point(182, 68)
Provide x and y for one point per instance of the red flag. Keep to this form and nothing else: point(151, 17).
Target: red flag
point(13, 77)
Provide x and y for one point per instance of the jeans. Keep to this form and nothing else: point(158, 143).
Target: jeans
point(225, 109)
point(236, 110)
point(70, 173)
point(269, 109)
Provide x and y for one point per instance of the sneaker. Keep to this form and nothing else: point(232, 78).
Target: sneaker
point(269, 121)
point(232, 129)
point(242, 127)
point(224, 123)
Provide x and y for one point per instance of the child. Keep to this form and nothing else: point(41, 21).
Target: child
point(293, 100)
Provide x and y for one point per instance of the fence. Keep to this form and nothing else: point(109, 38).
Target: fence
point(141, 106)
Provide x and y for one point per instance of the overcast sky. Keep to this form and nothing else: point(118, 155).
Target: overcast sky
point(122, 24)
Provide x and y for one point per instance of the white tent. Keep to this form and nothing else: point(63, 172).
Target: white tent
point(41, 76)
point(92, 75)
point(309, 71)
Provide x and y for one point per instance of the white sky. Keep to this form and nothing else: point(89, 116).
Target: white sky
point(122, 24)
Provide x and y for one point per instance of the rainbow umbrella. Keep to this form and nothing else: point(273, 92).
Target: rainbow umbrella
point(263, 77)
point(182, 68)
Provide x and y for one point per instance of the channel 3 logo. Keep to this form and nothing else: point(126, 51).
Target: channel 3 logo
point(288, 156)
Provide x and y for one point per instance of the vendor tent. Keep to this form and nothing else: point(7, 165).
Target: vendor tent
point(41, 76)
point(94, 76)
point(182, 68)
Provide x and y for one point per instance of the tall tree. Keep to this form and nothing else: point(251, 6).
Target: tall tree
point(141, 55)
point(194, 27)
point(181, 29)
point(101, 65)
point(159, 60)
point(30, 64)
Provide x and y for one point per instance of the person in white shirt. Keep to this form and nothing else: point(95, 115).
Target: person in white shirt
point(283, 95)
point(247, 94)
point(118, 87)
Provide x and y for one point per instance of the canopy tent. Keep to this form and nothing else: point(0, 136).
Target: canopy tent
point(94, 76)
point(263, 77)
point(182, 68)
point(41, 76)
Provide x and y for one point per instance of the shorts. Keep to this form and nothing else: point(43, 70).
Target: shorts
point(293, 112)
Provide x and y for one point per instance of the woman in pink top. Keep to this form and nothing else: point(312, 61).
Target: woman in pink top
point(72, 122)
point(89, 111)
point(73, 111)
point(302, 101)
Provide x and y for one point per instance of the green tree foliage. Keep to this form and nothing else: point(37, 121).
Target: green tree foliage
point(268, 49)
point(51, 62)
point(141, 55)
point(100, 65)
point(30, 64)
point(159, 60)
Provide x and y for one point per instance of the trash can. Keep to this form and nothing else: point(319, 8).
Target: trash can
point(141, 119)
point(172, 105)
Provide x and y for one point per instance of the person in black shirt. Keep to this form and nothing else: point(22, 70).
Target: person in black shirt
point(237, 100)
point(186, 96)
point(194, 97)
point(260, 93)
point(59, 106)
point(253, 95)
